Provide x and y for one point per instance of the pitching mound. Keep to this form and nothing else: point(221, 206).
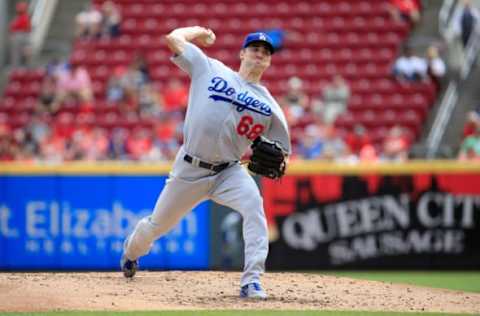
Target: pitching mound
point(173, 290)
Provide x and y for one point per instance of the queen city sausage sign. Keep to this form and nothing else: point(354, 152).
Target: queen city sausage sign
point(378, 226)
point(406, 229)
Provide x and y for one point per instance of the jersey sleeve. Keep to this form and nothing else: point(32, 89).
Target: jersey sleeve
point(193, 61)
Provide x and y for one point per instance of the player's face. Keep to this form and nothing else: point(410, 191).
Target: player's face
point(256, 55)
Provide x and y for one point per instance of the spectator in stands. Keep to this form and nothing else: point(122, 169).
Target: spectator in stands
point(470, 148)
point(117, 149)
point(335, 99)
point(395, 145)
point(166, 134)
point(150, 104)
point(465, 20)
point(115, 87)
point(54, 70)
point(55, 67)
point(90, 144)
point(472, 124)
point(88, 23)
point(358, 139)
point(38, 128)
point(295, 102)
point(368, 154)
point(409, 67)
point(139, 143)
point(175, 96)
point(334, 146)
point(74, 84)
point(164, 144)
point(73, 146)
point(140, 63)
point(311, 144)
point(135, 77)
point(20, 27)
point(48, 92)
point(26, 147)
point(53, 147)
point(406, 10)
point(155, 153)
point(112, 19)
point(436, 68)
point(64, 125)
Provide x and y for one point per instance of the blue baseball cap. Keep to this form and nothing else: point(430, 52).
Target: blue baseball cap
point(259, 37)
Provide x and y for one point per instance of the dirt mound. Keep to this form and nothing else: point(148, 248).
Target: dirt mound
point(174, 290)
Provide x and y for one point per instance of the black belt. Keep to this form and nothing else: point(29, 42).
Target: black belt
point(205, 165)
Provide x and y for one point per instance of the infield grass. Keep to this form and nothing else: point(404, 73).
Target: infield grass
point(468, 281)
point(232, 313)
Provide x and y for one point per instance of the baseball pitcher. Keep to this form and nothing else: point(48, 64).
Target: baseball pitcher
point(227, 112)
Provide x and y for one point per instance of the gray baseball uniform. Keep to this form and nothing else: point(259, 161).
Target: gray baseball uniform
point(225, 114)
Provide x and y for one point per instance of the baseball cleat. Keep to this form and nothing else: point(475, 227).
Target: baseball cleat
point(253, 290)
point(129, 267)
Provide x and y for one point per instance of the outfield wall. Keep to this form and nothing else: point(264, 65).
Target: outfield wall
point(75, 217)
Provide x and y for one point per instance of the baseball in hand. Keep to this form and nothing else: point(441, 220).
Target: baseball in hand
point(210, 39)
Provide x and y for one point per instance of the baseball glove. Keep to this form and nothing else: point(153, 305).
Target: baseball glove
point(268, 158)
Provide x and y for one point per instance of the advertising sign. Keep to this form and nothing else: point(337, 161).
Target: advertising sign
point(379, 221)
point(80, 222)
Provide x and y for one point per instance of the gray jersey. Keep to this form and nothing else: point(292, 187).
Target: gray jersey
point(225, 112)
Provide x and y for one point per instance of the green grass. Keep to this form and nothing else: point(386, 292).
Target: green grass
point(461, 281)
point(230, 313)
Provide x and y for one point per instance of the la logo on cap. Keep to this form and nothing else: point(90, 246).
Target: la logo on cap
point(263, 37)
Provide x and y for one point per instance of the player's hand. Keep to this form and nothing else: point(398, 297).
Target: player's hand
point(206, 38)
